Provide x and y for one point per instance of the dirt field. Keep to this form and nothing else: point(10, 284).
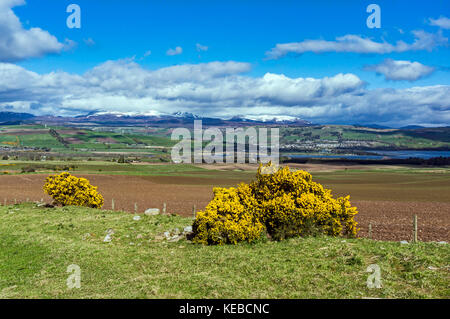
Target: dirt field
point(388, 201)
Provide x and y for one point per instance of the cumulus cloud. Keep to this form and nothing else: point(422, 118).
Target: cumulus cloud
point(200, 47)
point(357, 44)
point(17, 43)
point(442, 22)
point(89, 42)
point(398, 70)
point(219, 89)
point(176, 51)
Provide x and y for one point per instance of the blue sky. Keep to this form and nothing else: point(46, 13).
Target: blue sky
point(244, 32)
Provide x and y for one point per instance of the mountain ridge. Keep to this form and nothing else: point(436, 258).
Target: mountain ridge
point(135, 119)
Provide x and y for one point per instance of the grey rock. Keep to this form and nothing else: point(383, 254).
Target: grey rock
point(404, 242)
point(107, 238)
point(137, 217)
point(175, 239)
point(187, 229)
point(152, 212)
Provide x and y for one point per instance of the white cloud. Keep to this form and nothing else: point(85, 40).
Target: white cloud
point(201, 47)
point(17, 43)
point(147, 53)
point(219, 89)
point(357, 44)
point(69, 45)
point(176, 51)
point(398, 70)
point(89, 42)
point(441, 22)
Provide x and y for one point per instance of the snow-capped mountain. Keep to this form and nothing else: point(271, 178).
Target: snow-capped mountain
point(177, 119)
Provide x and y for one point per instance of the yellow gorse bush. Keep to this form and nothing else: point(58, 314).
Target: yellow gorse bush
point(229, 218)
point(282, 204)
point(67, 189)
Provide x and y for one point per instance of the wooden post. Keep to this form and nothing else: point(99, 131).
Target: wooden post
point(5, 201)
point(15, 201)
point(370, 230)
point(194, 211)
point(135, 208)
point(164, 208)
point(415, 228)
point(112, 204)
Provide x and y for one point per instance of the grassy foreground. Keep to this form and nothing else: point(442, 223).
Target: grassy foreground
point(38, 244)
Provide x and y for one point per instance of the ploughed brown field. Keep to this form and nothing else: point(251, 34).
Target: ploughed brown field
point(386, 200)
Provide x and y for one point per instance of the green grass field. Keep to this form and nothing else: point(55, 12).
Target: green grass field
point(416, 139)
point(84, 141)
point(38, 244)
point(154, 141)
point(100, 167)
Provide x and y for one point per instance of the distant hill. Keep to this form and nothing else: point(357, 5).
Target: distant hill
point(11, 118)
point(169, 121)
point(186, 119)
point(411, 127)
point(375, 126)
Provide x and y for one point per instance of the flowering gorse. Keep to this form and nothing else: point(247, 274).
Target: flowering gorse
point(282, 204)
point(67, 189)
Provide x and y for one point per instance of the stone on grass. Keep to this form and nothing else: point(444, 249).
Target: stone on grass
point(152, 212)
point(137, 217)
point(187, 229)
point(107, 238)
point(404, 242)
point(175, 239)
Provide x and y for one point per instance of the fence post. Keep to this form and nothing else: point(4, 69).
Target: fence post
point(415, 228)
point(164, 208)
point(112, 204)
point(194, 211)
point(370, 230)
point(135, 208)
